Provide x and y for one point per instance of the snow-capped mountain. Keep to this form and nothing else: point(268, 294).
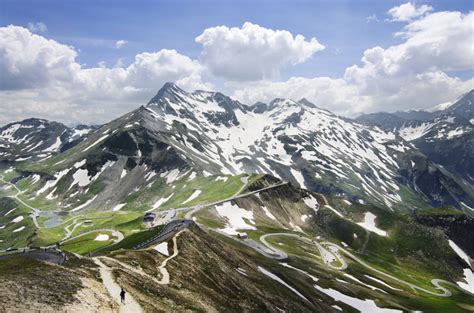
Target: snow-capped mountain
point(195, 155)
point(295, 141)
point(33, 137)
point(211, 134)
point(447, 138)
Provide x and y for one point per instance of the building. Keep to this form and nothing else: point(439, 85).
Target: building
point(149, 217)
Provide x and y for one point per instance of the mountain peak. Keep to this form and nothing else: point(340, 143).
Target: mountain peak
point(168, 90)
point(169, 86)
point(307, 103)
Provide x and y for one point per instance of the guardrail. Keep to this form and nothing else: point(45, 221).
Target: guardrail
point(167, 230)
point(23, 251)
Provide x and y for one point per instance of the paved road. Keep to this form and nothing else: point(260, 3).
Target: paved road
point(36, 212)
point(436, 282)
point(333, 253)
point(50, 255)
point(165, 216)
point(171, 229)
point(114, 232)
point(328, 256)
point(234, 197)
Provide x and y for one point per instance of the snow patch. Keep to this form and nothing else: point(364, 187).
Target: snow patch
point(124, 172)
point(463, 255)
point(299, 178)
point(18, 219)
point(281, 281)
point(193, 196)
point(84, 204)
point(118, 207)
point(222, 178)
point(366, 306)
point(235, 218)
point(102, 237)
point(161, 201)
point(381, 282)
point(19, 229)
point(96, 142)
point(369, 224)
point(311, 202)
point(468, 283)
point(268, 213)
point(162, 248)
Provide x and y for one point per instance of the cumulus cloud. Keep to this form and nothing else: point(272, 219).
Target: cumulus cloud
point(408, 11)
point(120, 44)
point(32, 61)
point(435, 44)
point(413, 74)
point(252, 52)
point(42, 76)
point(38, 27)
point(335, 95)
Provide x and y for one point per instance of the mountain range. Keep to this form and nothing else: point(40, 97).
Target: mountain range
point(284, 205)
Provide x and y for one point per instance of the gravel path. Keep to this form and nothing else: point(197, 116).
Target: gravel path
point(113, 288)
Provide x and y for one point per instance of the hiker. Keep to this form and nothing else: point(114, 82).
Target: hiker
point(122, 296)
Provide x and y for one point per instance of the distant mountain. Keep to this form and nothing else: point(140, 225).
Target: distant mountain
point(387, 121)
point(211, 134)
point(38, 138)
point(195, 196)
point(447, 138)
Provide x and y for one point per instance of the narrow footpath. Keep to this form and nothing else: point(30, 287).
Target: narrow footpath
point(113, 288)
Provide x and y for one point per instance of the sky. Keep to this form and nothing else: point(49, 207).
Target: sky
point(91, 61)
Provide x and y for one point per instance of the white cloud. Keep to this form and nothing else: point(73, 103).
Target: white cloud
point(437, 42)
point(32, 61)
point(372, 18)
point(42, 77)
point(252, 52)
point(335, 95)
point(120, 44)
point(39, 27)
point(408, 11)
point(411, 75)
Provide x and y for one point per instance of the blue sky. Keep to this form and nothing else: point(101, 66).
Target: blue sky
point(94, 27)
point(153, 25)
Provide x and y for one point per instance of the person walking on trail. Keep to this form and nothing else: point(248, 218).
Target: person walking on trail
point(122, 296)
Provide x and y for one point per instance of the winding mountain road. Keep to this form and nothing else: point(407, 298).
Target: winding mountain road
point(36, 212)
point(436, 282)
point(333, 251)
